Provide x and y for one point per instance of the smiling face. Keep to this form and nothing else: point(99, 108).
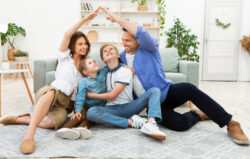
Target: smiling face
point(88, 66)
point(109, 52)
point(129, 43)
point(81, 46)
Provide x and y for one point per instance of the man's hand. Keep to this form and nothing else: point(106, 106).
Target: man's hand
point(130, 26)
point(93, 14)
point(131, 69)
point(77, 115)
point(111, 16)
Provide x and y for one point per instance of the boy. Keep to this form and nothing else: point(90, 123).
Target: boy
point(120, 105)
point(95, 82)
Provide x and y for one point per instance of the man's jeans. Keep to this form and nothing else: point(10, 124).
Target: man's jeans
point(118, 115)
point(180, 93)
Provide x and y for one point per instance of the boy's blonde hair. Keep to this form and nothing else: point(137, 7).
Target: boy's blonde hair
point(105, 45)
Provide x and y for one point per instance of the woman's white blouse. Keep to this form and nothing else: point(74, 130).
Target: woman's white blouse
point(67, 76)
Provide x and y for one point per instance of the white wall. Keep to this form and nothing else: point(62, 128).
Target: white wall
point(47, 20)
point(191, 13)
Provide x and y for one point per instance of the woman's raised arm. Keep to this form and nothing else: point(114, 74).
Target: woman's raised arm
point(74, 28)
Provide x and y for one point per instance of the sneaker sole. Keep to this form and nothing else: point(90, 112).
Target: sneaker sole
point(240, 142)
point(71, 135)
point(156, 136)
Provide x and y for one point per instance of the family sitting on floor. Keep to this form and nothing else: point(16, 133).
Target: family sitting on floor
point(114, 94)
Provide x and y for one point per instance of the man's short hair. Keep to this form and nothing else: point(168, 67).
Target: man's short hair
point(124, 29)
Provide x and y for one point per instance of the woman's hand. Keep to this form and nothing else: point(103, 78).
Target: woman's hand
point(131, 68)
point(93, 14)
point(77, 115)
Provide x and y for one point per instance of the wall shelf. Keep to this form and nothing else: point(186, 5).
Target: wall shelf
point(111, 32)
point(139, 12)
point(112, 27)
point(104, 42)
point(123, 12)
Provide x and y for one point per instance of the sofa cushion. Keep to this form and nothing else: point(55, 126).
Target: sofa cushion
point(176, 77)
point(50, 77)
point(169, 59)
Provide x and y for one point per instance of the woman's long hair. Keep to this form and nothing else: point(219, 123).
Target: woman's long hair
point(73, 40)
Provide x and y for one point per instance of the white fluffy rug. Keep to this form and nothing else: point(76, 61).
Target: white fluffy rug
point(204, 140)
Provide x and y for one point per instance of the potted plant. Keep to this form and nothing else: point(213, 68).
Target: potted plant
point(9, 37)
point(21, 56)
point(142, 5)
point(245, 43)
point(179, 37)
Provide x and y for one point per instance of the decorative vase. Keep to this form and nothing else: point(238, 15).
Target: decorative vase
point(11, 54)
point(142, 7)
point(22, 59)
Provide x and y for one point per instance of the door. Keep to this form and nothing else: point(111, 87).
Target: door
point(221, 45)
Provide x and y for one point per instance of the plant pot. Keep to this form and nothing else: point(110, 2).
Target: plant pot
point(11, 54)
point(142, 7)
point(22, 59)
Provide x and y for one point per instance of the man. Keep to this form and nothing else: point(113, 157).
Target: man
point(142, 53)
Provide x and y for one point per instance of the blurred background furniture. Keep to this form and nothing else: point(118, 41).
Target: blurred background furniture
point(22, 71)
point(20, 65)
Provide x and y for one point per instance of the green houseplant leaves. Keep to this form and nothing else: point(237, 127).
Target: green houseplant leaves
point(181, 38)
point(10, 35)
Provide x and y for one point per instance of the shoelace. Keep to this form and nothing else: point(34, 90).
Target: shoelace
point(152, 125)
point(136, 124)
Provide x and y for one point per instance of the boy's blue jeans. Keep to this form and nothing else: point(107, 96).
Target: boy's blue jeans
point(118, 115)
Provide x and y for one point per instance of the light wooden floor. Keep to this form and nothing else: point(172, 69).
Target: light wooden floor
point(233, 96)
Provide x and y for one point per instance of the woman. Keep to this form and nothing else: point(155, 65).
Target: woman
point(54, 102)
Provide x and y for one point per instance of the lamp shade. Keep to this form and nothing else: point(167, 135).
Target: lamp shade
point(3, 28)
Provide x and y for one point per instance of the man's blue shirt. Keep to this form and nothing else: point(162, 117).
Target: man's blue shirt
point(147, 63)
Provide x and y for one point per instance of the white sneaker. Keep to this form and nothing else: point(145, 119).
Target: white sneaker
point(67, 133)
point(151, 129)
point(137, 121)
point(84, 132)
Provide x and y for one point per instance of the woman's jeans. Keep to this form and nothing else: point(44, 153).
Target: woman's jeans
point(118, 115)
point(180, 93)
